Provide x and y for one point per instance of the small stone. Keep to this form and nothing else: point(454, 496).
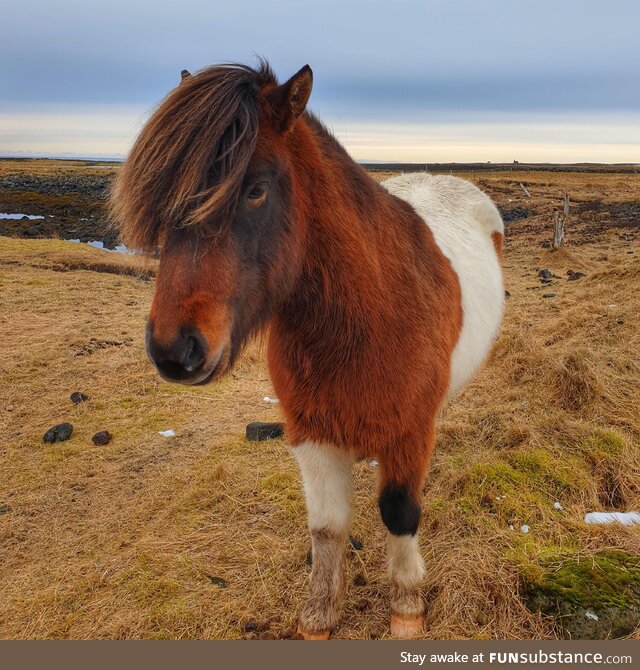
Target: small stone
point(58, 433)
point(78, 396)
point(572, 276)
point(309, 559)
point(549, 295)
point(250, 627)
point(218, 581)
point(9, 408)
point(259, 431)
point(545, 274)
point(362, 604)
point(5, 507)
point(355, 543)
point(359, 580)
point(524, 528)
point(507, 295)
point(102, 438)
point(557, 505)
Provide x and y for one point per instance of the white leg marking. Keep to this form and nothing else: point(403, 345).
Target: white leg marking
point(328, 482)
point(406, 566)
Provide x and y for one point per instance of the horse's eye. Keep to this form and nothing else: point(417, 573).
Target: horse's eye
point(257, 195)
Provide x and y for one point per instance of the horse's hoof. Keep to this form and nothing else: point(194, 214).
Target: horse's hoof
point(322, 635)
point(406, 627)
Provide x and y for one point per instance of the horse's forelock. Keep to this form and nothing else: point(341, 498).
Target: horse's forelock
point(187, 165)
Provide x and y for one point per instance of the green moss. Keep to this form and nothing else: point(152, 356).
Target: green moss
point(555, 475)
point(602, 446)
point(606, 579)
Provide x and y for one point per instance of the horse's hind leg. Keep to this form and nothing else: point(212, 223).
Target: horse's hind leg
point(327, 477)
point(400, 508)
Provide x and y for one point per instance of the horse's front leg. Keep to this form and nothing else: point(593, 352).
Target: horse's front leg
point(327, 477)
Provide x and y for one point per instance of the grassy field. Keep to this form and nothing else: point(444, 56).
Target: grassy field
point(203, 535)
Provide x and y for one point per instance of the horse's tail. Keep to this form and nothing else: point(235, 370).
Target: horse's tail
point(488, 216)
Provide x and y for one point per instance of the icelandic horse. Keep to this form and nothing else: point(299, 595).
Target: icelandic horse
point(379, 301)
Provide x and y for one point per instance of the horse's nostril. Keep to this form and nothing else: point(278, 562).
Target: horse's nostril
point(194, 354)
point(181, 358)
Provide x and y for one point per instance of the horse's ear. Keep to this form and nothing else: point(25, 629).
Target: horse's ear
point(185, 74)
point(290, 99)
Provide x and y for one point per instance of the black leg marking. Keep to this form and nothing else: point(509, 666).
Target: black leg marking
point(400, 512)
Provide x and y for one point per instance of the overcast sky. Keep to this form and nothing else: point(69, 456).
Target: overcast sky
point(403, 80)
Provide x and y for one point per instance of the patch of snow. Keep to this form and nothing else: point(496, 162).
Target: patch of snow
point(98, 244)
point(557, 505)
point(32, 217)
point(273, 401)
point(167, 433)
point(524, 528)
point(591, 615)
point(625, 518)
point(76, 241)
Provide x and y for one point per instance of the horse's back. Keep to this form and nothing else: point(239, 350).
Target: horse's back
point(468, 229)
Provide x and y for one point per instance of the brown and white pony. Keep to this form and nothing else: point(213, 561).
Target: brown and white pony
point(379, 301)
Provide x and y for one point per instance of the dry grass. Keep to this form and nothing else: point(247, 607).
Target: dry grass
point(129, 540)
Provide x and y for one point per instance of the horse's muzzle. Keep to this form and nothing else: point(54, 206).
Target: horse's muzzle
point(185, 359)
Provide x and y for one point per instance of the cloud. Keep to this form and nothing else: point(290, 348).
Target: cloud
point(434, 54)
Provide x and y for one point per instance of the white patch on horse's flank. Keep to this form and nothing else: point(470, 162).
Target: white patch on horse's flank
point(462, 219)
point(328, 482)
point(405, 563)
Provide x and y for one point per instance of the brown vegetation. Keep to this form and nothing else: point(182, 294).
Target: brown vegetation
point(203, 535)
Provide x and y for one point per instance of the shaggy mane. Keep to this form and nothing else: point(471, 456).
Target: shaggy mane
point(187, 164)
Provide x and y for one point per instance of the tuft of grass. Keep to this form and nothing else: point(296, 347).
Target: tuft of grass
point(131, 540)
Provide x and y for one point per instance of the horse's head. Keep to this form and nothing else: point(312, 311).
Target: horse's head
point(209, 185)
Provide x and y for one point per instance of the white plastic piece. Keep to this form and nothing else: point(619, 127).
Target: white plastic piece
point(167, 433)
point(273, 401)
point(625, 518)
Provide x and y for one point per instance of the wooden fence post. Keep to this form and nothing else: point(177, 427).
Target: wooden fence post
point(558, 223)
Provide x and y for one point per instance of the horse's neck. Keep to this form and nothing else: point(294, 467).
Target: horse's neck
point(356, 236)
point(347, 207)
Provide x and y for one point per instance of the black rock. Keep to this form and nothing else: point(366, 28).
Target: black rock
point(572, 276)
point(5, 507)
point(545, 274)
point(355, 543)
point(549, 295)
point(58, 433)
point(507, 295)
point(309, 559)
point(218, 581)
point(259, 431)
point(78, 396)
point(102, 438)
